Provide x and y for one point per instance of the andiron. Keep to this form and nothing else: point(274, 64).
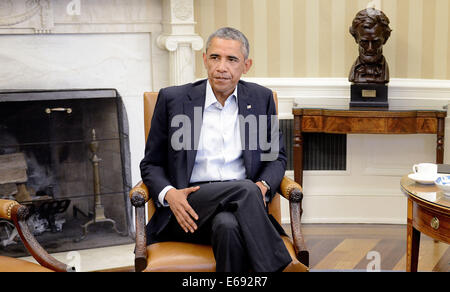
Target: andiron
point(99, 210)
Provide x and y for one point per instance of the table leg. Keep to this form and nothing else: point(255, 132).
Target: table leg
point(440, 140)
point(412, 242)
point(440, 144)
point(298, 150)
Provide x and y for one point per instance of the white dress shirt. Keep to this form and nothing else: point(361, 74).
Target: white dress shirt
point(219, 154)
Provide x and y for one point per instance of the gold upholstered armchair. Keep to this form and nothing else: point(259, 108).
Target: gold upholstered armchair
point(13, 211)
point(179, 256)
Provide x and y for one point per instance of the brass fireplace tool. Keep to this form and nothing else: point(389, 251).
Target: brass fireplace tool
point(99, 210)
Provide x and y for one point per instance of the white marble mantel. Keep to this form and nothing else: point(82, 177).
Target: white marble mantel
point(79, 16)
point(131, 45)
point(170, 23)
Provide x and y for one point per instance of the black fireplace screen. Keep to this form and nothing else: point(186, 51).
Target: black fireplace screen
point(65, 154)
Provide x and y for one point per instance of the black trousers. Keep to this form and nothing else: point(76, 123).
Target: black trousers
point(233, 219)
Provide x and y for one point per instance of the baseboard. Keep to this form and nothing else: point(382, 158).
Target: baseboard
point(334, 220)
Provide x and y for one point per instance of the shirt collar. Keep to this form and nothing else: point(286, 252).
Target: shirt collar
point(211, 98)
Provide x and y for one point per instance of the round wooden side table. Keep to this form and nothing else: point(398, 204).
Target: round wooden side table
point(428, 213)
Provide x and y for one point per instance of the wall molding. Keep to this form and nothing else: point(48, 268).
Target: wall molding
point(335, 93)
point(347, 206)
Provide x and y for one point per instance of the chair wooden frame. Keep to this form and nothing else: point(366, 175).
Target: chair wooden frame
point(18, 214)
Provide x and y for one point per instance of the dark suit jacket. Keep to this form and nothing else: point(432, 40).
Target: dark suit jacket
point(163, 166)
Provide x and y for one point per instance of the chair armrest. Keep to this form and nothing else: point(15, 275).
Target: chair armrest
point(18, 214)
point(290, 188)
point(293, 192)
point(139, 196)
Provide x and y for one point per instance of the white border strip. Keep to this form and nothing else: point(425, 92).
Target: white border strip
point(335, 93)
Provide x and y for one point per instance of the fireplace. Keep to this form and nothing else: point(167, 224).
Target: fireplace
point(66, 155)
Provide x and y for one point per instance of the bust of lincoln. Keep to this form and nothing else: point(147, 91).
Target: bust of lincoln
point(371, 30)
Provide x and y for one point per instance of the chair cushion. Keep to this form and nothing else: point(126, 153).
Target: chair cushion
point(180, 257)
point(183, 257)
point(8, 264)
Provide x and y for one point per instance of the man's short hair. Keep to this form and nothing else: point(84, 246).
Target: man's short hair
point(229, 33)
point(369, 18)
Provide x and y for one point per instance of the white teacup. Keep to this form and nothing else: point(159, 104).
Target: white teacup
point(425, 169)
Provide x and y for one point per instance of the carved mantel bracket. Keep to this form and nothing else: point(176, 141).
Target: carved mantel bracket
point(172, 43)
point(179, 38)
point(181, 56)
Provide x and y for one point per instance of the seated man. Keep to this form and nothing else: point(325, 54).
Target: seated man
point(214, 158)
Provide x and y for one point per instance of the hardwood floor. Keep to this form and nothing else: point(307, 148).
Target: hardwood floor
point(346, 247)
point(362, 246)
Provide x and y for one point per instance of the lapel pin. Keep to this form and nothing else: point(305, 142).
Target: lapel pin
point(249, 106)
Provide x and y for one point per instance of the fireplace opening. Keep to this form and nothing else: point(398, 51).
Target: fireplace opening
point(65, 154)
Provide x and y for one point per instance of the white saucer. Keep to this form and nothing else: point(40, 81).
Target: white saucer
point(426, 180)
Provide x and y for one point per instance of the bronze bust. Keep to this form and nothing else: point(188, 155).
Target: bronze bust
point(371, 30)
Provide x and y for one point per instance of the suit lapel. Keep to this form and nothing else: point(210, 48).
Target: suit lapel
point(193, 109)
point(246, 107)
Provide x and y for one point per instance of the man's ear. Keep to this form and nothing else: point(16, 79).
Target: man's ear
point(248, 64)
